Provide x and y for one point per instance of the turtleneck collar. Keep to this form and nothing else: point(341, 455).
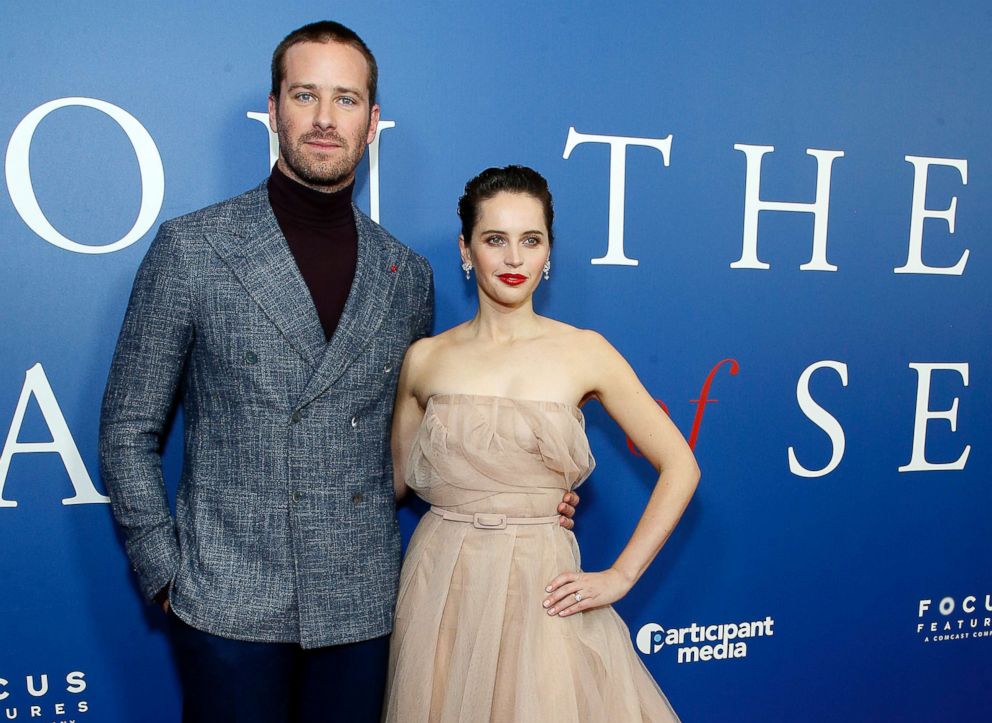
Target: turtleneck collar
point(296, 204)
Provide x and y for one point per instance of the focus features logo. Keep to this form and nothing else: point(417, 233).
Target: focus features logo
point(704, 642)
point(31, 697)
point(954, 620)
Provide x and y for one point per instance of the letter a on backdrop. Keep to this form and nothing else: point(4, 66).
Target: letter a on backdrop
point(36, 383)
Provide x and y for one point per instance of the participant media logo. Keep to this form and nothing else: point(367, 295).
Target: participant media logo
point(950, 618)
point(696, 643)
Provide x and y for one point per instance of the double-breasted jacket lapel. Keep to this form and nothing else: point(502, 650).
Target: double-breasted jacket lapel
point(256, 251)
point(364, 311)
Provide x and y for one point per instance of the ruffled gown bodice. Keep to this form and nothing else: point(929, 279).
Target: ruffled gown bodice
point(476, 453)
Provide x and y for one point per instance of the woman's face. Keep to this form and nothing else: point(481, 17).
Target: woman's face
point(508, 248)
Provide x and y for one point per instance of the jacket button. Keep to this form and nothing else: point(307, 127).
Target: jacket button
point(354, 422)
point(296, 417)
point(297, 496)
point(357, 498)
point(388, 368)
point(251, 357)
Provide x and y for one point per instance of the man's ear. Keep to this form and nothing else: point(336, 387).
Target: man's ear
point(373, 124)
point(273, 125)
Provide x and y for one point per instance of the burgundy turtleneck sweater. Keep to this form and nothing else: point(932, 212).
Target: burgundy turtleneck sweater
point(320, 230)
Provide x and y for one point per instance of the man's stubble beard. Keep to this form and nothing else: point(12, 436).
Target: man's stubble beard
point(321, 176)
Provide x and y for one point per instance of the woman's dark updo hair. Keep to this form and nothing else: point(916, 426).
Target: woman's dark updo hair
point(512, 179)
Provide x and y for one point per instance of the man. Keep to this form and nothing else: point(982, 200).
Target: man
point(281, 317)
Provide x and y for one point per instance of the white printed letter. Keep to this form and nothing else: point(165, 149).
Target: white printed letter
point(618, 178)
point(76, 682)
point(34, 691)
point(753, 204)
point(36, 383)
point(918, 462)
point(22, 192)
point(374, 169)
point(273, 137)
point(821, 418)
point(914, 262)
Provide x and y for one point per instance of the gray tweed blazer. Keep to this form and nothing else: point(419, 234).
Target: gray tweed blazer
point(285, 526)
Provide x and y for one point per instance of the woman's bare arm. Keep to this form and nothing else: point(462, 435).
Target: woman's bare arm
point(407, 415)
point(626, 400)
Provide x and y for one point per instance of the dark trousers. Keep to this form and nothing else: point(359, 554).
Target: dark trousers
point(237, 682)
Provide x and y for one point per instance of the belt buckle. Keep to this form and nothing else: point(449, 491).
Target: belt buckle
point(489, 521)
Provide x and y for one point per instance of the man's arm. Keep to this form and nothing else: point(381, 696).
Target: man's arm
point(144, 377)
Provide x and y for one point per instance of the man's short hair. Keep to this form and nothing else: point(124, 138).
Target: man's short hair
point(325, 31)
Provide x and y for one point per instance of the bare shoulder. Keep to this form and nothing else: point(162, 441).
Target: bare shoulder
point(443, 343)
point(416, 360)
point(418, 351)
point(583, 342)
point(429, 345)
point(426, 356)
point(602, 368)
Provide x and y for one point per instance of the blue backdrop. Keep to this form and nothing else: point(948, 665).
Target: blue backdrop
point(867, 563)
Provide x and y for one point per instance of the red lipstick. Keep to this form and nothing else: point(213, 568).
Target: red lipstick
point(511, 279)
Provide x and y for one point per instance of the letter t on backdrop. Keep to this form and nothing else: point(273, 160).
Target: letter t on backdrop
point(618, 180)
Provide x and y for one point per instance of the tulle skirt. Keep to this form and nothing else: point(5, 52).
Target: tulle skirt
point(472, 642)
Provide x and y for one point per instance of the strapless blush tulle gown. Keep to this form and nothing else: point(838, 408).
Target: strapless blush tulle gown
point(471, 643)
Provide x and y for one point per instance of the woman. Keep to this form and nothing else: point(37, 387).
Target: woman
point(495, 619)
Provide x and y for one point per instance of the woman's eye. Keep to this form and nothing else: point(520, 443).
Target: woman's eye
point(532, 241)
point(494, 240)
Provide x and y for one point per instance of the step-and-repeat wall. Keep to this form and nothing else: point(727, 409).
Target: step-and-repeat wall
point(779, 212)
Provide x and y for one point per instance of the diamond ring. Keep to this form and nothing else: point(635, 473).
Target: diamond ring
point(578, 597)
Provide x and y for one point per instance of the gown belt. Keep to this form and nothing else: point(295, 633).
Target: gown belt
point(491, 520)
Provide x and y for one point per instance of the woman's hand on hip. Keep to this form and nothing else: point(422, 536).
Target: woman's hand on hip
point(574, 592)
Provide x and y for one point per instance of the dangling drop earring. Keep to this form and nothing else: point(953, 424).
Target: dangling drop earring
point(467, 268)
point(547, 269)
